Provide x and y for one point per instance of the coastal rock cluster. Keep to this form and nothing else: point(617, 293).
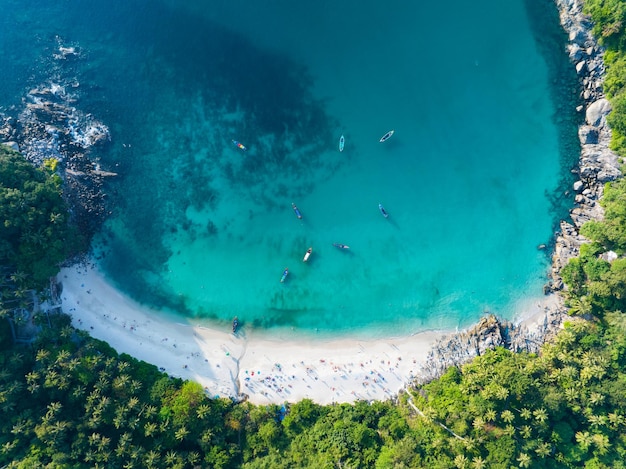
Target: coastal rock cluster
point(597, 165)
point(51, 126)
point(490, 332)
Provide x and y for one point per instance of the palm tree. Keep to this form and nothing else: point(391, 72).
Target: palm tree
point(207, 437)
point(461, 461)
point(119, 421)
point(490, 415)
point(93, 438)
point(19, 427)
point(193, 457)
point(32, 376)
point(51, 379)
point(149, 428)
point(122, 366)
point(135, 385)
point(18, 277)
point(602, 442)
point(64, 383)
point(94, 421)
point(72, 364)
point(4, 312)
point(478, 423)
point(171, 457)
point(524, 460)
point(526, 431)
point(580, 306)
point(103, 443)
point(509, 430)
point(596, 398)
point(66, 332)
point(478, 463)
point(132, 402)
point(571, 394)
point(181, 433)
point(121, 381)
point(202, 411)
point(124, 445)
point(148, 410)
point(507, 416)
point(151, 458)
point(55, 217)
point(133, 422)
point(616, 420)
point(597, 420)
point(78, 392)
point(502, 393)
point(584, 440)
point(62, 357)
point(8, 447)
point(525, 413)
point(544, 449)
point(541, 415)
point(54, 408)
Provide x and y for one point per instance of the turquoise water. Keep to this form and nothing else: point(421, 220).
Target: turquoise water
point(479, 96)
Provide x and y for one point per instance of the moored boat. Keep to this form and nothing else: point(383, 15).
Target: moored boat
point(239, 145)
point(341, 246)
point(296, 211)
point(235, 324)
point(382, 210)
point(386, 136)
point(285, 273)
point(342, 142)
point(307, 254)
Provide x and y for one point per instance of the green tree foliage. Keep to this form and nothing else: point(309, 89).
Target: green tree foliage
point(34, 236)
point(73, 402)
point(609, 17)
point(596, 285)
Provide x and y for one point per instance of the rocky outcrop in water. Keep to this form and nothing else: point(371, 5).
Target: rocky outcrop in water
point(51, 125)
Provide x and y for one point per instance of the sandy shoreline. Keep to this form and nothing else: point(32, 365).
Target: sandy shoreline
point(266, 370)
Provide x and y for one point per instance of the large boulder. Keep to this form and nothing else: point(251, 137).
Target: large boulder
point(588, 134)
point(597, 111)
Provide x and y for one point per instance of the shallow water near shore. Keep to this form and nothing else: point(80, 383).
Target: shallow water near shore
point(472, 177)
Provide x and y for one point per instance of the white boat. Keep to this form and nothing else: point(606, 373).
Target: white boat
point(386, 136)
point(342, 142)
point(307, 254)
point(383, 211)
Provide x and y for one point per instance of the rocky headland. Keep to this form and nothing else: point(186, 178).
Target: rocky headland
point(597, 165)
point(50, 125)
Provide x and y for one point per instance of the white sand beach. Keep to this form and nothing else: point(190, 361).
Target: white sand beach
point(266, 369)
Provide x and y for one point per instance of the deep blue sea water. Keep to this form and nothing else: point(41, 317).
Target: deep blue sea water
point(480, 95)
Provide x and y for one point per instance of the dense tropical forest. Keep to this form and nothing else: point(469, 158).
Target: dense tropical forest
point(70, 401)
